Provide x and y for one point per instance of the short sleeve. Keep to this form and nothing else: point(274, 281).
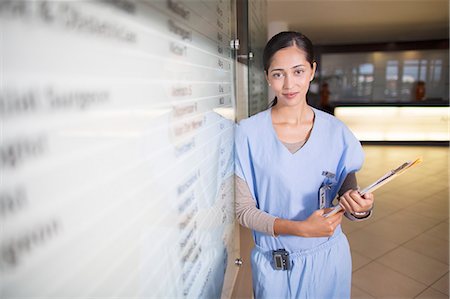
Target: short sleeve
point(352, 157)
point(242, 158)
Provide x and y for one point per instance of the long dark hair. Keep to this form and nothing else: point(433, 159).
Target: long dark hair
point(283, 40)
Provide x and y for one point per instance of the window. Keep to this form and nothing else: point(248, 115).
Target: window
point(365, 80)
point(386, 76)
point(390, 90)
point(435, 70)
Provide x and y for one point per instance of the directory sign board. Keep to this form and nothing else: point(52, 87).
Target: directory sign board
point(116, 151)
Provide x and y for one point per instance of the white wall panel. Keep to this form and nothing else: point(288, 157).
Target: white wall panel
point(116, 151)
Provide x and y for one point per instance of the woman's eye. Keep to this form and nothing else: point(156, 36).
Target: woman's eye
point(299, 72)
point(277, 75)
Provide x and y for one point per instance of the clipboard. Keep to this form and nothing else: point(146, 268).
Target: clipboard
point(389, 176)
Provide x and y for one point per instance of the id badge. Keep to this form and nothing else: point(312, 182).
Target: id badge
point(326, 186)
point(323, 196)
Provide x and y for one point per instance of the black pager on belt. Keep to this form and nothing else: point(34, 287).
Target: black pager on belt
point(280, 259)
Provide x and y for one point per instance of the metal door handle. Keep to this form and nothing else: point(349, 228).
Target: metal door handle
point(238, 262)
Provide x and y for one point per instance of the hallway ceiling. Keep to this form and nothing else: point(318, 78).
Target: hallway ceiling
point(331, 22)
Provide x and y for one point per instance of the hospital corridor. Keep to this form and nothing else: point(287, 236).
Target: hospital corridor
point(134, 133)
point(402, 251)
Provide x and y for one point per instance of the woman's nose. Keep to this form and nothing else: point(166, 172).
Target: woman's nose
point(287, 84)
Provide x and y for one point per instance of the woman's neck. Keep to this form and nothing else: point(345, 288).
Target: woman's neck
point(293, 115)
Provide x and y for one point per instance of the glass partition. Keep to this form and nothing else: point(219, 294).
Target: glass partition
point(387, 77)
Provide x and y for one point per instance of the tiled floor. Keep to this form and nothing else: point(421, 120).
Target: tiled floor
point(403, 250)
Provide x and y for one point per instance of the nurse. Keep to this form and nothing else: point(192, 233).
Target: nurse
point(291, 161)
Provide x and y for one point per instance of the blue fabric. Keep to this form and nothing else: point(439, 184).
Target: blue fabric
point(287, 185)
point(323, 272)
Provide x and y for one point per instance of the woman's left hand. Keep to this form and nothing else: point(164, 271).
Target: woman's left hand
point(353, 202)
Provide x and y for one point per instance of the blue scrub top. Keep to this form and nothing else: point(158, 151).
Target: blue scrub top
point(287, 185)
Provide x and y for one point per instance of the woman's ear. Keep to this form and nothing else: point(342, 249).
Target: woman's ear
point(314, 67)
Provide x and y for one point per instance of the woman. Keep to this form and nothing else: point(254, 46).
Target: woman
point(291, 162)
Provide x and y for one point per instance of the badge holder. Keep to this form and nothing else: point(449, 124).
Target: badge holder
point(326, 186)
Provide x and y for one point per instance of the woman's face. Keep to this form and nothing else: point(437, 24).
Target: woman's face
point(289, 75)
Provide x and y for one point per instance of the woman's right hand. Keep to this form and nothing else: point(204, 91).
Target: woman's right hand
point(317, 225)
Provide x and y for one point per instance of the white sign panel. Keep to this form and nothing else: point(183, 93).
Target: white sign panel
point(116, 151)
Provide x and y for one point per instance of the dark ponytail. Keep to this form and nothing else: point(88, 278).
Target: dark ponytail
point(283, 40)
point(274, 102)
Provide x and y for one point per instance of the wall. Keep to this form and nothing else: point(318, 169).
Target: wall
point(116, 151)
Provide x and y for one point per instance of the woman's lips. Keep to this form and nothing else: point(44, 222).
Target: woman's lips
point(290, 95)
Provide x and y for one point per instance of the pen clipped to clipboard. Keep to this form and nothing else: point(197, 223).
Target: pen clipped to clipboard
point(389, 176)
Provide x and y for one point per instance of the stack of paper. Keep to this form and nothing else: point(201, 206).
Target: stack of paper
point(381, 181)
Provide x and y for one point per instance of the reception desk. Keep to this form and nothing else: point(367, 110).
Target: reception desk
point(404, 122)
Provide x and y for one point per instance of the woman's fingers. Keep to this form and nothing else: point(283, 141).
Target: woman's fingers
point(366, 201)
point(345, 205)
point(348, 201)
point(336, 219)
point(352, 201)
point(330, 222)
point(369, 196)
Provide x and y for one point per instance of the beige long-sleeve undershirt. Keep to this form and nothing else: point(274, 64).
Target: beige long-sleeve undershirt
point(250, 216)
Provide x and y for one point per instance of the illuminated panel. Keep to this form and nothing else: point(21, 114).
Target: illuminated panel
point(396, 123)
point(116, 152)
